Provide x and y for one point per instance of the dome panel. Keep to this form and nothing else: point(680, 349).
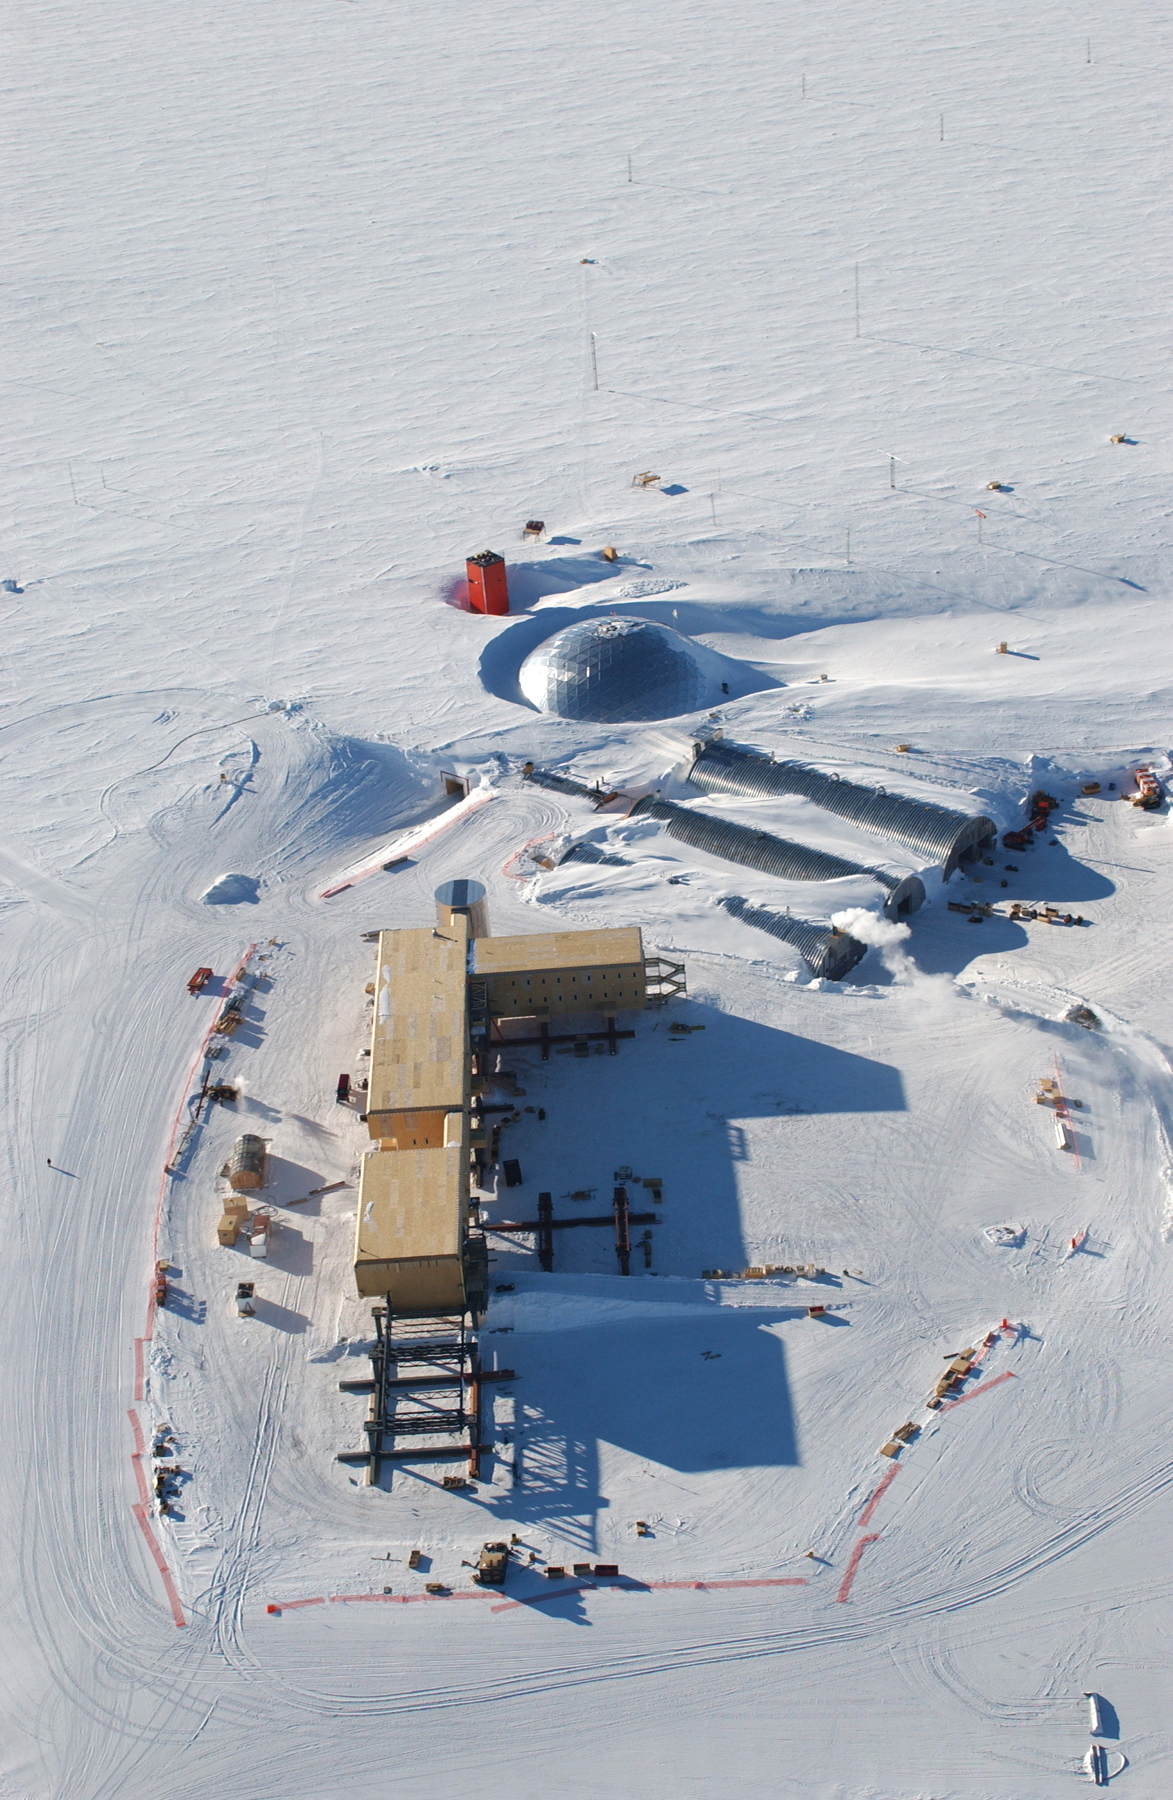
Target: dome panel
point(616, 669)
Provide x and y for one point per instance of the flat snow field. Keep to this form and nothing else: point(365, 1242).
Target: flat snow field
point(302, 305)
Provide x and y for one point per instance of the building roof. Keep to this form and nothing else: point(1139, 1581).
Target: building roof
point(551, 950)
point(419, 1037)
point(411, 1204)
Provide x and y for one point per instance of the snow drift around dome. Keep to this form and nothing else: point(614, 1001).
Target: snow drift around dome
point(612, 669)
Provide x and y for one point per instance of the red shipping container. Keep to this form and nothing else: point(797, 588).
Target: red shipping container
point(487, 590)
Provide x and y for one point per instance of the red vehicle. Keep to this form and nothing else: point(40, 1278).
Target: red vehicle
point(199, 981)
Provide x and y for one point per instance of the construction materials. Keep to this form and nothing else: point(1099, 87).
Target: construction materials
point(244, 1300)
point(160, 1286)
point(622, 1230)
point(199, 981)
point(491, 1565)
point(546, 1232)
point(534, 528)
point(231, 1222)
point(246, 1168)
point(488, 590)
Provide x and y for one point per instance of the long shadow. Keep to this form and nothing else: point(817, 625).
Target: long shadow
point(944, 943)
point(286, 1181)
point(667, 1107)
point(291, 1250)
point(1050, 873)
point(502, 657)
point(281, 1318)
point(694, 1395)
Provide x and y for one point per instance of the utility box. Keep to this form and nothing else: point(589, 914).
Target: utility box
point(487, 588)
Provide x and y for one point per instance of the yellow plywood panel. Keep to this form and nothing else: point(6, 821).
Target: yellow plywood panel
point(559, 950)
point(411, 1203)
point(419, 1035)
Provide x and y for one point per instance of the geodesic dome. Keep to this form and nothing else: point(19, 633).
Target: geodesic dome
point(616, 669)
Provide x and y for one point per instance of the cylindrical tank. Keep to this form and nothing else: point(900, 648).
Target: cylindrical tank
point(467, 897)
point(247, 1167)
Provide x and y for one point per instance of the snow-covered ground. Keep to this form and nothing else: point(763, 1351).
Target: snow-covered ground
point(303, 304)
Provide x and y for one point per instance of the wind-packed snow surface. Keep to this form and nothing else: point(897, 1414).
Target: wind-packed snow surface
point(303, 305)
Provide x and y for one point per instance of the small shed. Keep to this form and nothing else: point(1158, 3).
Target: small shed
point(246, 1168)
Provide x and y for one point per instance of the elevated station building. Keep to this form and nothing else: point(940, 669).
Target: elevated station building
point(436, 992)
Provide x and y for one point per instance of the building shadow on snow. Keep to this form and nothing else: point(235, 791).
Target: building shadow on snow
point(692, 1395)
point(669, 1108)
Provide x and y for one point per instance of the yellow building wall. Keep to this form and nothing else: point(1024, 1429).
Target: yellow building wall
point(538, 994)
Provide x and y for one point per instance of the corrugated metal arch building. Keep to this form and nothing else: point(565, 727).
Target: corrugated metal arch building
point(825, 951)
point(774, 855)
point(935, 832)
